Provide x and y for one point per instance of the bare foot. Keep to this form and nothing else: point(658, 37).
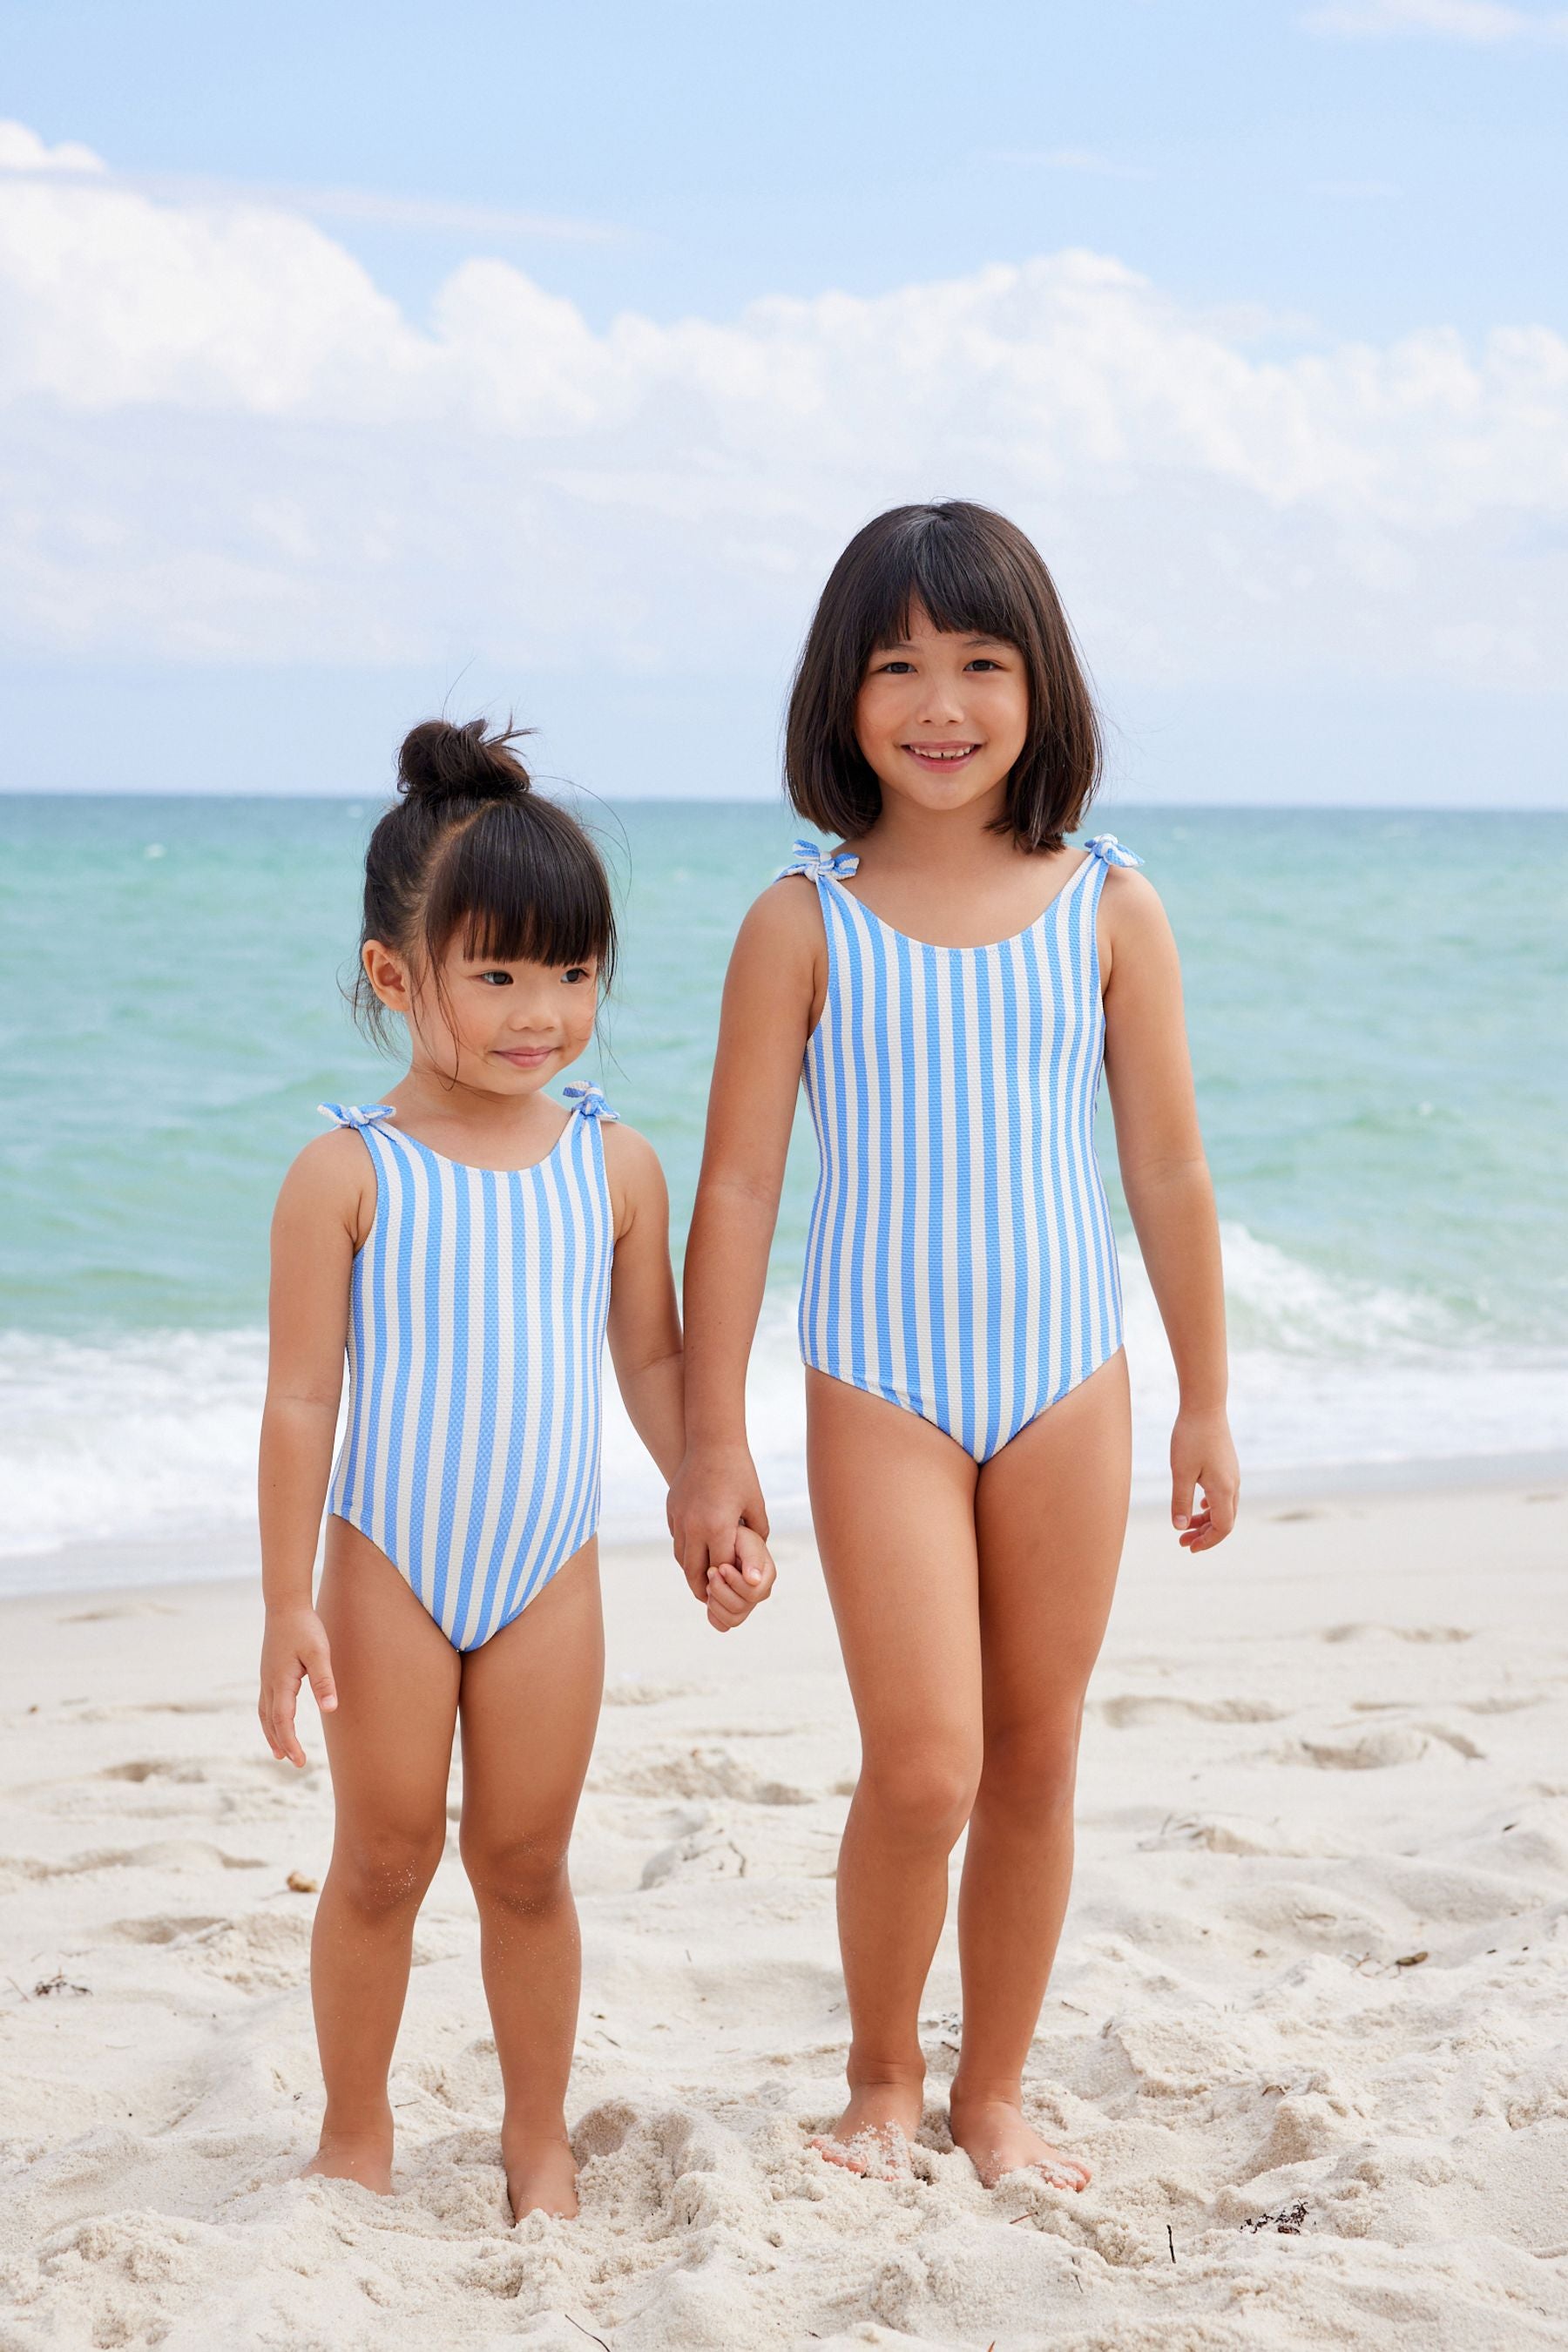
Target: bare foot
point(872, 2136)
point(366, 2158)
point(541, 2176)
point(997, 2141)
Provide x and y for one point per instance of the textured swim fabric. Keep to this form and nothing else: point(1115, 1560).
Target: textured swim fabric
point(478, 1309)
point(959, 1260)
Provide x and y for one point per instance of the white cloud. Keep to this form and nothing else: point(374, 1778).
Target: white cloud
point(1484, 22)
point(22, 150)
point(226, 442)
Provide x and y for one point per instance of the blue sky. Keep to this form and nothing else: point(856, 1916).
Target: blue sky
point(327, 406)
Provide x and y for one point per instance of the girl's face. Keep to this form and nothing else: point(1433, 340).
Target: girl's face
point(499, 1028)
point(942, 719)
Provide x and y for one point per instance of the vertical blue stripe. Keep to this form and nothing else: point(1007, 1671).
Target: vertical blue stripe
point(431, 1370)
point(1072, 1180)
point(961, 1212)
point(910, 1381)
point(988, 1307)
point(840, 966)
point(488, 1274)
point(882, 1046)
point(936, 1273)
point(455, 1377)
point(856, 927)
point(1026, 1138)
point(527, 1285)
point(408, 1355)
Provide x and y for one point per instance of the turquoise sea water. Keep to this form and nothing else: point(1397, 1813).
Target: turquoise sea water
point(1376, 1003)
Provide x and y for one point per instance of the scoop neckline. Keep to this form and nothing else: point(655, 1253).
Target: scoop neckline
point(472, 1167)
point(986, 946)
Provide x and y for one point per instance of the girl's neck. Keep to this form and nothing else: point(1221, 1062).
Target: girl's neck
point(909, 838)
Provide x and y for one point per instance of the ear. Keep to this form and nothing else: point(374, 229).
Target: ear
point(388, 975)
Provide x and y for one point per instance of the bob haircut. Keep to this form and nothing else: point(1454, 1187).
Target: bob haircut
point(470, 851)
point(972, 573)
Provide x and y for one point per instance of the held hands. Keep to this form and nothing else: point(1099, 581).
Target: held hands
point(1203, 1459)
point(735, 1586)
point(717, 1523)
point(293, 1651)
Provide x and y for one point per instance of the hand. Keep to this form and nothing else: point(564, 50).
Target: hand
point(293, 1650)
point(713, 1494)
point(1202, 1457)
point(735, 1586)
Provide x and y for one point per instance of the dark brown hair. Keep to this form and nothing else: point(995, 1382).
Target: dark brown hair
point(974, 572)
point(471, 848)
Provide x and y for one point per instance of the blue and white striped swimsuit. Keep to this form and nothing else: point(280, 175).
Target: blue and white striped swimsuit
point(478, 1306)
point(959, 1260)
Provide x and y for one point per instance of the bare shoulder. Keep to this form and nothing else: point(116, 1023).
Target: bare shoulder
point(330, 1168)
point(629, 1157)
point(782, 932)
point(330, 1185)
point(1133, 909)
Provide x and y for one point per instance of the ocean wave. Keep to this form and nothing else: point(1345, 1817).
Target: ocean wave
point(152, 1435)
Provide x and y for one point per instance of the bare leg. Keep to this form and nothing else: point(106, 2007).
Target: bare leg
point(893, 1502)
point(529, 1708)
point(389, 1744)
point(1051, 1515)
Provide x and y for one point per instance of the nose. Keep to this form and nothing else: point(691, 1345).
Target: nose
point(941, 703)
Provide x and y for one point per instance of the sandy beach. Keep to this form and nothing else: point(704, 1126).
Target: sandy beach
point(1308, 2023)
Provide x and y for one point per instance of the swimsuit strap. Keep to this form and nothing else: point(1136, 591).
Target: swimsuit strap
point(589, 1101)
point(1109, 851)
point(357, 1115)
point(809, 859)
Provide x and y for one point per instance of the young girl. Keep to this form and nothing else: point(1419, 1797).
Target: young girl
point(470, 1240)
point(949, 981)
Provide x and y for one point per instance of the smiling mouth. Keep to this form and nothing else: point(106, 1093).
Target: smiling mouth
point(941, 755)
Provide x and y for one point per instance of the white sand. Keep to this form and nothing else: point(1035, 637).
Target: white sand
point(1341, 1743)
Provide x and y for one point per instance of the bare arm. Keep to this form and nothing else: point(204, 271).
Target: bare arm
point(320, 1211)
point(645, 1348)
point(645, 1323)
point(1169, 1194)
point(772, 987)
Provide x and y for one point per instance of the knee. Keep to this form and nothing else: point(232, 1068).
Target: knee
point(1032, 1768)
point(523, 1875)
point(385, 1871)
point(924, 1795)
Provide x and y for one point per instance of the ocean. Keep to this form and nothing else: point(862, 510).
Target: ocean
point(1375, 1001)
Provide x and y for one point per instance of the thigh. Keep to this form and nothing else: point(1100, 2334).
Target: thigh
point(529, 1710)
point(389, 1738)
point(1051, 1518)
point(892, 1500)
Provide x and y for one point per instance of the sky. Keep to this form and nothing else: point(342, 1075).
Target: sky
point(363, 362)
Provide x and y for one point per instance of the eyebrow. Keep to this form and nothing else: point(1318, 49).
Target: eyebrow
point(976, 637)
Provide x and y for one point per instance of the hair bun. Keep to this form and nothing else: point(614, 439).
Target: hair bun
point(438, 762)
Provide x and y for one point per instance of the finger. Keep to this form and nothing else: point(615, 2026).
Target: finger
point(724, 1603)
point(323, 1688)
point(755, 1516)
point(284, 1736)
point(1181, 1485)
point(694, 1566)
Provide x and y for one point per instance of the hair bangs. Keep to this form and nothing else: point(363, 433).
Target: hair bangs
point(521, 886)
point(949, 578)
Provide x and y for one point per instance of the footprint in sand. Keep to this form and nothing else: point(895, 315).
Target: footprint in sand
point(1134, 1710)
